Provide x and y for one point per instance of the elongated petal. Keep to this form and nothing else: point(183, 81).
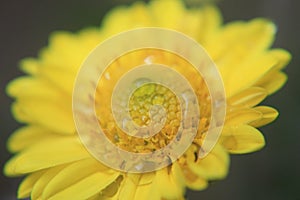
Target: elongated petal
point(192, 180)
point(44, 179)
point(242, 116)
point(85, 184)
point(120, 18)
point(61, 78)
point(268, 115)
point(146, 188)
point(29, 66)
point(147, 192)
point(52, 116)
point(58, 63)
point(40, 102)
point(142, 185)
point(27, 184)
point(273, 81)
point(243, 57)
point(283, 57)
point(242, 139)
point(196, 183)
point(112, 191)
point(171, 19)
point(241, 38)
point(248, 97)
point(46, 154)
point(28, 136)
point(29, 87)
point(129, 185)
point(244, 75)
point(60, 53)
point(170, 182)
point(211, 22)
point(213, 166)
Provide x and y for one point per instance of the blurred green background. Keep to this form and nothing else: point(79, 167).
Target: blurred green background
point(272, 173)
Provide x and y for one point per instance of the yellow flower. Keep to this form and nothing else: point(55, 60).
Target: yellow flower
point(57, 165)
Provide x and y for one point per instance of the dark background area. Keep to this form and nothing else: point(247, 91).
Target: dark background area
point(272, 173)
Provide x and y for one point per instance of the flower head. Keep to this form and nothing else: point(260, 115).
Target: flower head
point(49, 151)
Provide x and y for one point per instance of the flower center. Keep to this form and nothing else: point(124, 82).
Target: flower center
point(150, 104)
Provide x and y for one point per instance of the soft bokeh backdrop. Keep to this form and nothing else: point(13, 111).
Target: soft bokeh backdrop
point(272, 173)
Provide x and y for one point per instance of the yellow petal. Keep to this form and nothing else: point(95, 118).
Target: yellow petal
point(170, 182)
point(242, 116)
point(135, 186)
point(29, 66)
point(58, 63)
point(283, 57)
point(128, 187)
point(194, 28)
point(27, 184)
point(147, 192)
point(268, 115)
point(196, 183)
point(211, 22)
point(167, 183)
point(202, 23)
point(40, 102)
point(90, 38)
point(29, 87)
point(83, 189)
point(248, 97)
point(171, 19)
point(29, 135)
point(192, 180)
point(213, 166)
point(46, 154)
point(241, 139)
point(242, 39)
point(111, 191)
point(177, 176)
point(45, 113)
point(60, 53)
point(44, 179)
point(61, 78)
point(242, 57)
point(64, 185)
point(273, 81)
point(146, 188)
point(98, 196)
point(242, 76)
point(116, 21)
point(121, 18)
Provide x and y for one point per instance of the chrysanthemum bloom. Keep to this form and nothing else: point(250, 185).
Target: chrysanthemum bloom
point(55, 162)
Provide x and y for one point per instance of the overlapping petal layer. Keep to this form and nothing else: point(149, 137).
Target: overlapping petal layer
point(49, 151)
